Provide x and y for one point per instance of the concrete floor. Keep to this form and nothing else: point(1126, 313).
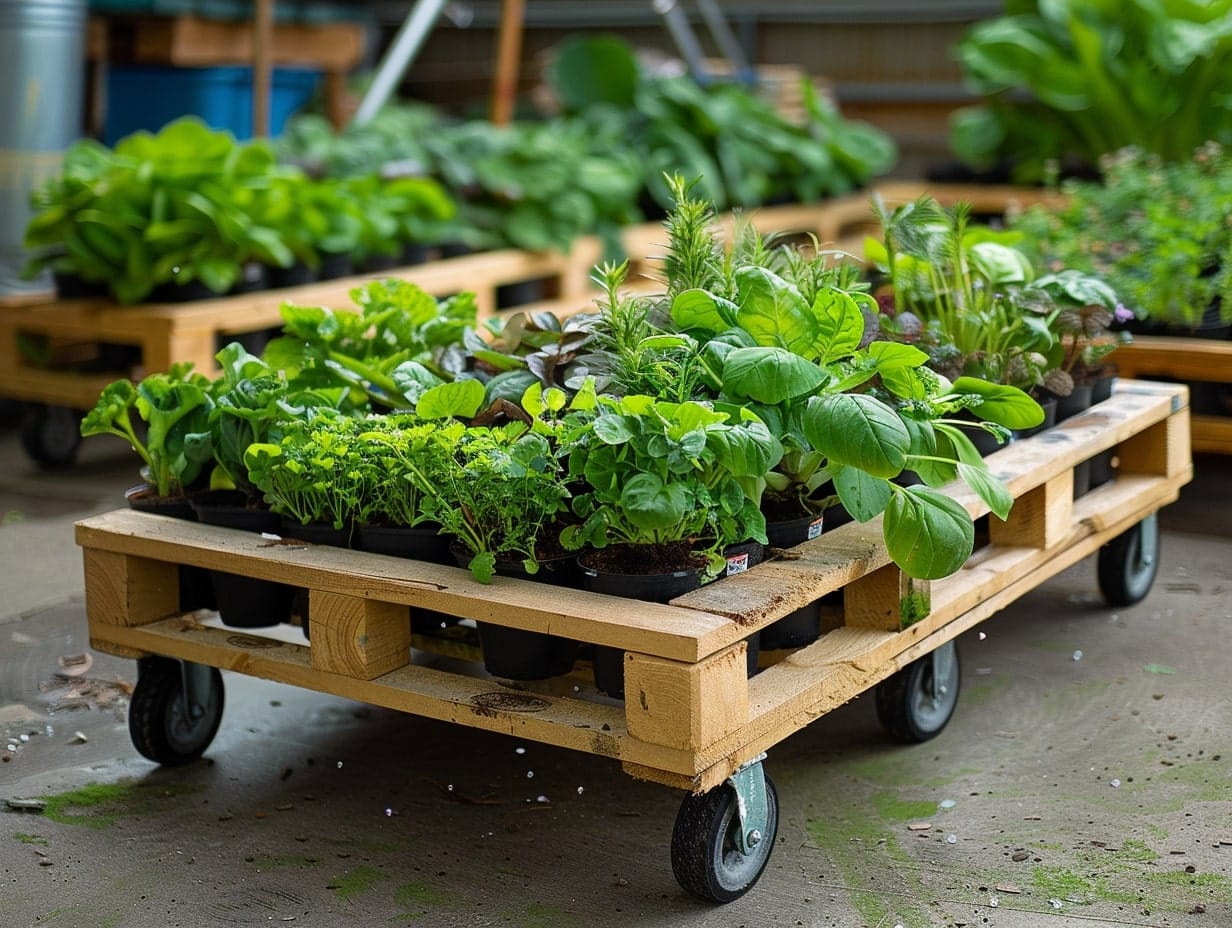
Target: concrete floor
point(1086, 778)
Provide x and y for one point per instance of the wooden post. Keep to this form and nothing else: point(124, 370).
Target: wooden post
point(508, 59)
point(262, 66)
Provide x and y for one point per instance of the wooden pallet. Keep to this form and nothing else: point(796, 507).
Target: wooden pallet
point(171, 332)
point(1196, 360)
point(692, 716)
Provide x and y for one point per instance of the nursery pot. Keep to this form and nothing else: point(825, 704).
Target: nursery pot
point(1100, 466)
point(515, 653)
point(985, 442)
point(417, 543)
point(244, 602)
point(196, 591)
point(1078, 401)
point(1049, 405)
point(796, 629)
point(609, 662)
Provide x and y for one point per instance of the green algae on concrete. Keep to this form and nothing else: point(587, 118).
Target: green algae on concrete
point(356, 882)
point(860, 846)
point(98, 805)
point(892, 808)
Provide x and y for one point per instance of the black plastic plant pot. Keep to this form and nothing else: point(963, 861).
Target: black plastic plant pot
point(334, 266)
point(251, 602)
point(515, 653)
point(414, 254)
point(1082, 479)
point(196, 591)
point(792, 532)
point(1078, 401)
point(296, 275)
point(417, 543)
point(985, 441)
point(803, 626)
point(609, 662)
point(244, 602)
point(318, 533)
point(73, 287)
point(740, 557)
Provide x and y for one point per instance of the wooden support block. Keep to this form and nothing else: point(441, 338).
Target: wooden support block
point(126, 590)
point(686, 706)
point(1162, 449)
point(885, 599)
point(359, 638)
point(1040, 518)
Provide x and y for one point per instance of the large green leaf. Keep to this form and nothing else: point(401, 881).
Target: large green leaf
point(927, 533)
point(861, 494)
point(462, 398)
point(652, 504)
point(769, 375)
point(699, 309)
point(773, 311)
point(857, 430)
point(991, 490)
point(1002, 404)
point(840, 325)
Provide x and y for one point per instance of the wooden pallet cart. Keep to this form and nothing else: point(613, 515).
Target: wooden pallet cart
point(693, 718)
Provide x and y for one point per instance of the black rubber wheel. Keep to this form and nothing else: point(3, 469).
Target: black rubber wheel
point(912, 705)
point(158, 723)
point(1128, 564)
point(50, 435)
point(706, 854)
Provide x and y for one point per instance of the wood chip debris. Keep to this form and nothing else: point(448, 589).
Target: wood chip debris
point(26, 805)
point(74, 665)
point(919, 826)
point(1010, 888)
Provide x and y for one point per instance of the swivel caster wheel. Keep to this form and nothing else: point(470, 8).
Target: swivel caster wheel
point(50, 435)
point(175, 710)
point(1128, 564)
point(917, 702)
point(722, 839)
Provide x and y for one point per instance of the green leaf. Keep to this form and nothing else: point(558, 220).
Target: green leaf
point(840, 325)
point(699, 309)
point(652, 504)
point(769, 375)
point(774, 312)
point(991, 490)
point(927, 534)
point(857, 430)
point(862, 495)
point(462, 398)
point(1002, 404)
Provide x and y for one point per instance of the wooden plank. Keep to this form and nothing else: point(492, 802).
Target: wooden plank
point(666, 631)
point(594, 727)
point(886, 599)
point(125, 590)
point(1212, 434)
point(1040, 517)
point(1200, 359)
point(686, 706)
point(1162, 448)
point(361, 638)
point(195, 42)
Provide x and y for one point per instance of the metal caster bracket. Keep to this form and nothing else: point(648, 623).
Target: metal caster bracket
point(943, 667)
point(749, 785)
point(196, 690)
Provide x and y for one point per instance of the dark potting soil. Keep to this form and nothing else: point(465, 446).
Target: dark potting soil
point(643, 559)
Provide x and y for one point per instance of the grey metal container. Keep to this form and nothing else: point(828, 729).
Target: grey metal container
point(42, 74)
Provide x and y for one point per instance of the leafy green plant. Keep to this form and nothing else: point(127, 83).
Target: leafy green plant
point(1072, 80)
point(845, 407)
point(969, 295)
point(314, 472)
point(1155, 230)
point(251, 402)
point(659, 475)
point(174, 408)
point(397, 346)
point(185, 204)
point(742, 149)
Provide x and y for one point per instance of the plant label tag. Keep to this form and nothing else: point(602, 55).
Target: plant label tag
point(737, 564)
point(814, 528)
